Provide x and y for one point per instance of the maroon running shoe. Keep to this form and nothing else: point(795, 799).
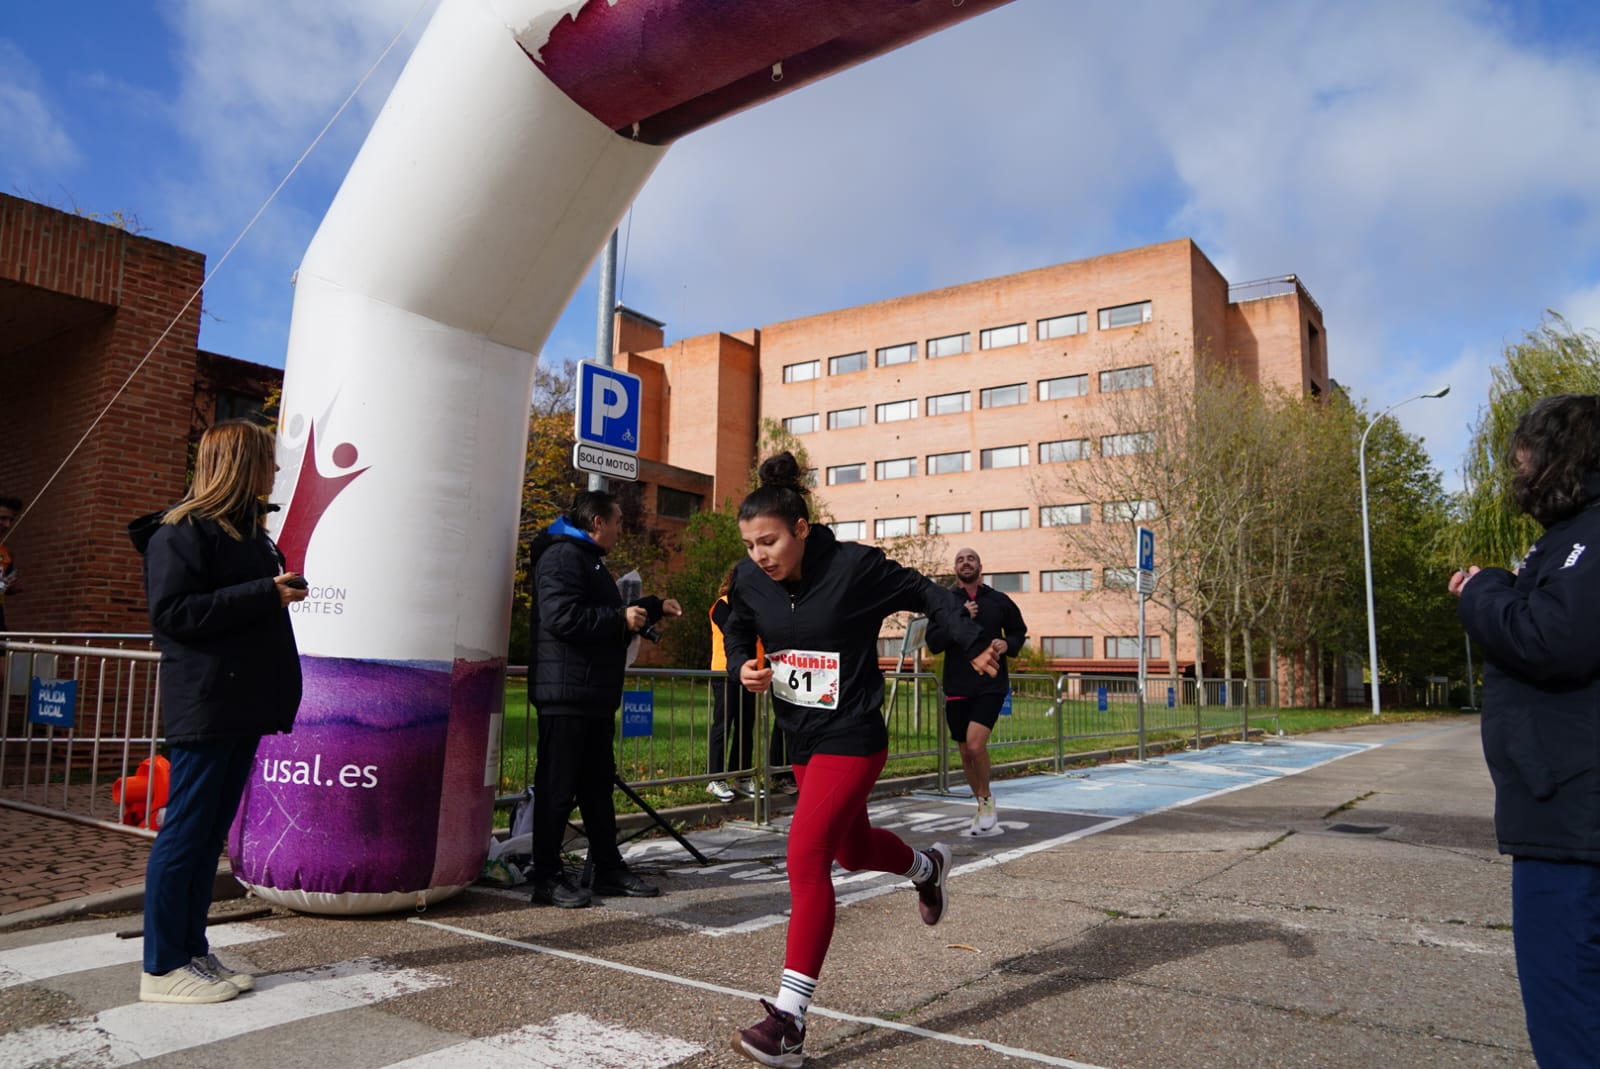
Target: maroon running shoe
point(932, 898)
point(776, 1040)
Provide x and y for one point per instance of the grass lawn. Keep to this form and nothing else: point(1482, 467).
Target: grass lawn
point(678, 743)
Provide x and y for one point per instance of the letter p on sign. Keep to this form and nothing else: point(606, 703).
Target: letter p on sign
point(607, 413)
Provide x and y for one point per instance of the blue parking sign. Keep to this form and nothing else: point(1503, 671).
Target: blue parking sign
point(607, 409)
point(638, 714)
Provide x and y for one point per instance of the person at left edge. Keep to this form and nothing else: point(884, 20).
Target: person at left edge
point(10, 509)
point(580, 632)
point(219, 597)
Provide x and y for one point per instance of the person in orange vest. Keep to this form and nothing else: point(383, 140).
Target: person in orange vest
point(740, 722)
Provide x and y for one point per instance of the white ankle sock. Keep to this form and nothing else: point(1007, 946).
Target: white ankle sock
point(794, 994)
point(921, 867)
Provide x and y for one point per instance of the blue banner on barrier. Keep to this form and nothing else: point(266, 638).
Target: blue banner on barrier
point(1172, 697)
point(638, 714)
point(1101, 694)
point(1005, 706)
point(53, 702)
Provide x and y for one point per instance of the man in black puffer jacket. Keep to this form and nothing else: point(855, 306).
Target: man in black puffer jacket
point(580, 633)
point(1541, 725)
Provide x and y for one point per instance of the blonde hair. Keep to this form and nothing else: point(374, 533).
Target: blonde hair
point(230, 464)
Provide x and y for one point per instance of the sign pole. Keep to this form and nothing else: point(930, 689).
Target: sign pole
point(1144, 555)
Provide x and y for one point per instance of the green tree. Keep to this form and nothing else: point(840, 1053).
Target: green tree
point(711, 546)
point(1555, 358)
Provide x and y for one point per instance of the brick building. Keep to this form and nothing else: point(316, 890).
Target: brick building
point(946, 412)
point(102, 391)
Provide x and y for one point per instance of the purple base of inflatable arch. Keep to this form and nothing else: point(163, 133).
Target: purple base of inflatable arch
point(383, 786)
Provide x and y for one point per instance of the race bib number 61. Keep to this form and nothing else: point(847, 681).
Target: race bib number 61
point(806, 677)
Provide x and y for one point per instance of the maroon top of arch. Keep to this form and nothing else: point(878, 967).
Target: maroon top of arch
point(673, 66)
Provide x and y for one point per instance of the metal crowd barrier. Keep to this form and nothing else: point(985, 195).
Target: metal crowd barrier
point(70, 771)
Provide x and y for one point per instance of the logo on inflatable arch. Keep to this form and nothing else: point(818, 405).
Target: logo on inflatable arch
point(314, 491)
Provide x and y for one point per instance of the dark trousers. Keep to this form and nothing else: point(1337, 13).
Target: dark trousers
point(1555, 927)
point(207, 781)
point(739, 726)
point(577, 765)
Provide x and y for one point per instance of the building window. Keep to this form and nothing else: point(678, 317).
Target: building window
point(899, 468)
point(1129, 511)
point(1125, 315)
point(850, 530)
point(1002, 396)
point(843, 365)
point(1120, 579)
point(948, 404)
point(1000, 337)
point(897, 354)
point(893, 527)
point(949, 463)
point(1070, 579)
point(1066, 449)
point(678, 504)
point(1005, 519)
point(803, 371)
point(801, 424)
point(1126, 445)
point(1126, 647)
point(1063, 326)
point(1080, 647)
point(1008, 582)
point(1005, 456)
point(949, 345)
point(1127, 378)
point(840, 474)
point(845, 418)
point(895, 411)
point(1065, 386)
point(1063, 515)
point(943, 523)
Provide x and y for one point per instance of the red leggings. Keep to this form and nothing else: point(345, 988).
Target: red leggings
point(830, 824)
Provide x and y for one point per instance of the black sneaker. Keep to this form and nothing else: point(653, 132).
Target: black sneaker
point(559, 890)
point(776, 1040)
point(620, 883)
point(931, 895)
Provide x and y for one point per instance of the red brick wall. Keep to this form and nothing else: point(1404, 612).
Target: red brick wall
point(94, 302)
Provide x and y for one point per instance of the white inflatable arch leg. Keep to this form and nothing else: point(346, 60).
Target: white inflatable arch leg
point(513, 142)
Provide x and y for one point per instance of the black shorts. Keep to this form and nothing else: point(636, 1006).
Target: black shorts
point(980, 709)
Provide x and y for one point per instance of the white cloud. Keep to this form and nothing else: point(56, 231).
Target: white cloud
point(34, 137)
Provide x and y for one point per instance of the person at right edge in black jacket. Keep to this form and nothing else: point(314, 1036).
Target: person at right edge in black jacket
point(816, 605)
point(1541, 724)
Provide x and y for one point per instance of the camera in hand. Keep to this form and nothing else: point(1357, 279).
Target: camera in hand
point(298, 582)
point(652, 633)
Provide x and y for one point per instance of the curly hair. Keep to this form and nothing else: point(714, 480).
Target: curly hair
point(1554, 449)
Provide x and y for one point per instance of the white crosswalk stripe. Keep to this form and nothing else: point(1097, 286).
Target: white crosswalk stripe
point(568, 1040)
point(127, 1034)
point(26, 965)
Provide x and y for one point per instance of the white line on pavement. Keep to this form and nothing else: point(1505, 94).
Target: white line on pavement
point(142, 1030)
point(568, 1040)
point(30, 964)
point(701, 985)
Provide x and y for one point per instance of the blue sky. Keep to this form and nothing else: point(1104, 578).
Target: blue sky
point(1431, 170)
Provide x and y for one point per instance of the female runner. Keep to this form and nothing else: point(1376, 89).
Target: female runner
point(817, 604)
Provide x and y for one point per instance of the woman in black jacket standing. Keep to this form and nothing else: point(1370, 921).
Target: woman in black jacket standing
point(1541, 724)
point(817, 604)
point(230, 673)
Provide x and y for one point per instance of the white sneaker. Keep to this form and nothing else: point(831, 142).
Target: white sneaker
point(242, 980)
point(190, 984)
point(720, 790)
point(987, 819)
point(747, 787)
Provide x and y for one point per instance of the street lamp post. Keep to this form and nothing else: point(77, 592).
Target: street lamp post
point(1366, 542)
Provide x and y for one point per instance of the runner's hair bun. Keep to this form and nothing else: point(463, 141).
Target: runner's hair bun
point(783, 471)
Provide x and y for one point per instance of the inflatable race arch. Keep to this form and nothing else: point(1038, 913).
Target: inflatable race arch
point(513, 142)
